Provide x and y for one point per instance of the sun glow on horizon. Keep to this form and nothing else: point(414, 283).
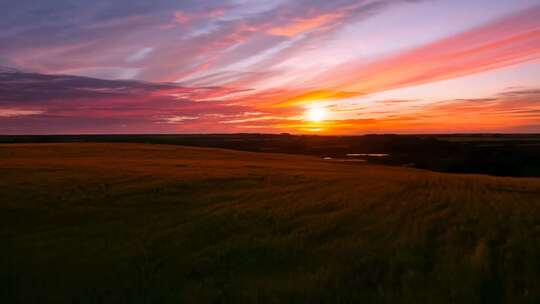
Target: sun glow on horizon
point(317, 114)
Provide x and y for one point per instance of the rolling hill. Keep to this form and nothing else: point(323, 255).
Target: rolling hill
point(142, 223)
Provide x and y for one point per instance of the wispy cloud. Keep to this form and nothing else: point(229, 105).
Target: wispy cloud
point(202, 65)
point(304, 24)
point(34, 103)
point(14, 112)
point(31, 103)
point(508, 41)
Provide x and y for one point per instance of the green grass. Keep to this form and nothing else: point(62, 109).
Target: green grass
point(133, 223)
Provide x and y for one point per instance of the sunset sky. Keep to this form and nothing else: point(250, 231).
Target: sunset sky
point(272, 66)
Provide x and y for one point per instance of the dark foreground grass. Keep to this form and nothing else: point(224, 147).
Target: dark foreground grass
point(128, 223)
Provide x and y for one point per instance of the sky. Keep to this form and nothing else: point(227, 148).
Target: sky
point(272, 66)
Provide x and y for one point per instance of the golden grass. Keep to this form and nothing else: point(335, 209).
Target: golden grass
point(135, 223)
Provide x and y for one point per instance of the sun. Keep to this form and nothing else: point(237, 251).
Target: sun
point(316, 114)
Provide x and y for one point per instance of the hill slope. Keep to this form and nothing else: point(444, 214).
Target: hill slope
point(135, 223)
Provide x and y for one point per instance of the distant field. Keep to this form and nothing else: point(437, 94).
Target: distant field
point(515, 155)
point(492, 138)
point(136, 223)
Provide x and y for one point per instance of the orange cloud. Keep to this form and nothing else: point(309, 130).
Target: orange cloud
point(507, 111)
point(312, 96)
point(302, 25)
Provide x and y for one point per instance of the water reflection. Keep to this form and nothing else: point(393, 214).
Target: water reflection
point(355, 157)
point(367, 154)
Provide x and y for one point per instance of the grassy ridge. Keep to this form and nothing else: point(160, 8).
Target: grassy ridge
point(515, 155)
point(134, 223)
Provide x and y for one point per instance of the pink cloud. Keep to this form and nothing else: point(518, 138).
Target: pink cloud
point(182, 18)
point(508, 41)
point(16, 112)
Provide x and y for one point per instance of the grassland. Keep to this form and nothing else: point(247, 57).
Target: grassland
point(135, 223)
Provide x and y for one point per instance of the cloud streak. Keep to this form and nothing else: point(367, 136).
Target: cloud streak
point(36, 103)
point(508, 41)
point(234, 65)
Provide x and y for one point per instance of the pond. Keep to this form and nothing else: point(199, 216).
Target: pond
point(368, 154)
